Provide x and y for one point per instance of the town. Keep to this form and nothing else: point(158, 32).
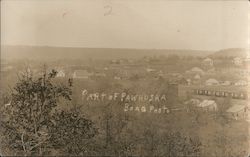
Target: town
point(205, 94)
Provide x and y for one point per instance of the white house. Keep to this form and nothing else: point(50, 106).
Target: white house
point(208, 105)
point(117, 78)
point(208, 62)
point(60, 73)
point(8, 104)
point(211, 82)
point(150, 70)
point(237, 61)
point(193, 102)
point(82, 74)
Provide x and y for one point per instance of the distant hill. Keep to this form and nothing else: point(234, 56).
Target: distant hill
point(233, 52)
point(47, 53)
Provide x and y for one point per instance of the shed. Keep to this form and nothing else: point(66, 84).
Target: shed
point(237, 111)
point(82, 74)
point(208, 105)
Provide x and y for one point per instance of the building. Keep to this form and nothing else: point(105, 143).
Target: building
point(60, 73)
point(237, 61)
point(100, 74)
point(193, 102)
point(247, 59)
point(240, 83)
point(244, 72)
point(196, 70)
point(211, 71)
point(208, 62)
point(237, 112)
point(150, 70)
point(197, 77)
point(181, 81)
point(189, 82)
point(211, 82)
point(117, 78)
point(208, 105)
point(82, 74)
point(226, 83)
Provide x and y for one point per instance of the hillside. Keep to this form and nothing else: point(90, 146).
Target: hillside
point(233, 52)
point(51, 53)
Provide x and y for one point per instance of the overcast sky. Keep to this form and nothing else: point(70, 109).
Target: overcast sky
point(200, 25)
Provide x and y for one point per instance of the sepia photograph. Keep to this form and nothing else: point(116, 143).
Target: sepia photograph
point(125, 78)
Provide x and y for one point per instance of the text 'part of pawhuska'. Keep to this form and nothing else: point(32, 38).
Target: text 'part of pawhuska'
point(123, 96)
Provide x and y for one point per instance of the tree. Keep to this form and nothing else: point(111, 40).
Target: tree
point(70, 133)
point(32, 104)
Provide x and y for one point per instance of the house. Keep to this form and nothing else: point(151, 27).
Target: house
point(196, 70)
point(117, 78)
point(247, 59)
point(193, 102)
point(115, 61)
point(211, 71)
point(176, 80)
point(237, 61)
point(160, 73)
point(226, 83)
point(189, 82)
point(208, 62)
point(82, 74)
point(237, 112)
point(211, 82)
point(244, 72)
point(8, 104)
point(60, 73)
point(208, 105)
point(150, 70)
point(100, 74)
point(240, 83)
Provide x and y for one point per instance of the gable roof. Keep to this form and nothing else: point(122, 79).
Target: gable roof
point(197, 69)
point(207, 60)
point(236, 108)
point(206, 103)
point(211, 80)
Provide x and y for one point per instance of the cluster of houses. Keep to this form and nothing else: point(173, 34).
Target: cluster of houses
point(204, 74)
point(239, 61)
point(194, 76)
point(235, 112)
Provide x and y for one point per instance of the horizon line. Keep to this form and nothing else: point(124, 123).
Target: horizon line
point(50, 46)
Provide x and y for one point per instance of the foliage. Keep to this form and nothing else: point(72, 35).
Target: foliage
point(26, 124)
point(70, 132)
